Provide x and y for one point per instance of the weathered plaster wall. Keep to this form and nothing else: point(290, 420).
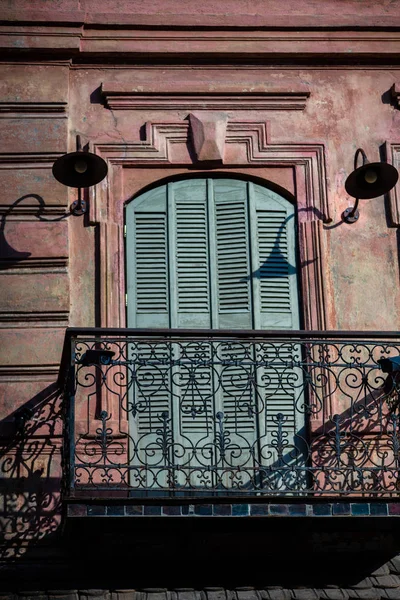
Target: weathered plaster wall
point(347, 108)
point(57, 269)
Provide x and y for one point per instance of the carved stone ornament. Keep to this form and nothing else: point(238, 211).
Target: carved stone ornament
point(208, 135)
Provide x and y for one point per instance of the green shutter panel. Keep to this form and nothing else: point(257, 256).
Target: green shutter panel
point(147, 258)
point(189, 258)
point(276, 303)
point(274, 271)
point(148, 306)
point(234, 309)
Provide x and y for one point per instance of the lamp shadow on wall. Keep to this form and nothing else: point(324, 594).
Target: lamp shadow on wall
point(30, 473)
point(276, 264)
point(9, 256)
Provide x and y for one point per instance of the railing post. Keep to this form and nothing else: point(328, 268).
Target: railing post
point(71, 416)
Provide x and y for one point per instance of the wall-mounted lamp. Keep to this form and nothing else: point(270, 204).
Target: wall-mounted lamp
point(389, 365)
point(368, 181)
point(80, 170)
point(97, 357)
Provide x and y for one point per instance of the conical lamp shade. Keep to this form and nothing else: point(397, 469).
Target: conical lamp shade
point(371, 180)
point(80, 169)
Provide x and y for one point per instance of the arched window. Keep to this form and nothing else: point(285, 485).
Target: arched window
point(211, 253)
point(216, 254)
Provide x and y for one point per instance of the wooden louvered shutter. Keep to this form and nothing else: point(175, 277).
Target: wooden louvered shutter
point(231, 231)
point(221, 254)
point(147, 257)
point(273, 249)
point(189, 254)
point(275, 302)
point(148, 306)
point(212, 254)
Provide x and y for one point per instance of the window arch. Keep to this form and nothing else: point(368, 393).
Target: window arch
point(211, 253)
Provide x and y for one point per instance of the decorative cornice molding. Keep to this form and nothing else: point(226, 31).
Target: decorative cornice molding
point(144, 15)
point(287, 37)
point(219, 98)
point(246, 142)
point(28, 372)
point(32, 160)
point(33, 212)
point(38, 319)
point(154, 149)
point(208, 102)
point(56, 264)
point(30, 110)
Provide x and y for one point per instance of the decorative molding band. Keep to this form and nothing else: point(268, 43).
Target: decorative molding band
point(22, 261)
point(195, 40)
point(208, 18)
point(193, 95)
point(32, 160)
point(232, 143)
point(28, 372)
point(46, 445)
point(154, 149)
point(28, 110)
point(206, 101)
point(39, 319)
point(246, 142)
point(393, 157)
point(313, 258)
point(34, 212)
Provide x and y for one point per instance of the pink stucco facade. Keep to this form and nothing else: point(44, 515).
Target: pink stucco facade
point(283, 93)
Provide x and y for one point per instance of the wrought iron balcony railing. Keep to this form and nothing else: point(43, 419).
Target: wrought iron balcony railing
point(227, 413)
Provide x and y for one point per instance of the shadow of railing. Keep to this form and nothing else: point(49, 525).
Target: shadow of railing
point(31, 473)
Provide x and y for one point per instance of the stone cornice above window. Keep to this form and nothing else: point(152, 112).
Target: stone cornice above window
point(205, 96)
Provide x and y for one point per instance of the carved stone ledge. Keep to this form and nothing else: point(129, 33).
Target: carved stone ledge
point(29, 160)
point(33, 109)
point(196, 97)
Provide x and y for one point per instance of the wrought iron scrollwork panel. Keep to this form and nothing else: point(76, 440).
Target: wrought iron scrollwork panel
point(233, 415)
